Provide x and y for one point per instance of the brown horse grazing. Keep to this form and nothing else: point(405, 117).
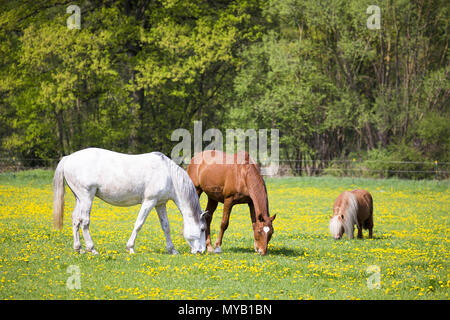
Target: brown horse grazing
point(232, 179)
point(350, 208)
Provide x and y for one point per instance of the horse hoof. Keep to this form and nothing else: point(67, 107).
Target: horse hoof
point(131, 251)
point(173, 251)
point(94, 252)
point(218, 250)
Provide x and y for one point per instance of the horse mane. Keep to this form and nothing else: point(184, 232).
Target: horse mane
point(257, 189)
point(335, 225)
point(183, 185)
point(351, 212)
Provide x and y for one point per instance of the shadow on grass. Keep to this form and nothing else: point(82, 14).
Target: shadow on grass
point(377, 236)
point(281, 251)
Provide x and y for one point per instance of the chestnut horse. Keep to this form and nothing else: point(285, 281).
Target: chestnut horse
point(350, 208)
point(232, 179)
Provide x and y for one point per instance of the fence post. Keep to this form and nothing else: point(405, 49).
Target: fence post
point(436, 169)
point(14, 164)
point(353, 170)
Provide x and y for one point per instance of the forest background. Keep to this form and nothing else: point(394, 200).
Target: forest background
point(337, 90)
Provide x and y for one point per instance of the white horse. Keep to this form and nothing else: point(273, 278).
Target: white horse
point(125, 180)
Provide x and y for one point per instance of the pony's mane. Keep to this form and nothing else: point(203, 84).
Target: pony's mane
point(183, 184)
point(350, 212)
point(350, 215)
point(335, 225)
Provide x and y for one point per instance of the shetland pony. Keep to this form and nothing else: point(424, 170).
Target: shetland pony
point(124, 180)
point(232, 179)
point(350, 208)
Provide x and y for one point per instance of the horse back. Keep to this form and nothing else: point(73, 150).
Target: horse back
point(341, 203)
point(220, 175)
point(117, 178)
point(365, 204)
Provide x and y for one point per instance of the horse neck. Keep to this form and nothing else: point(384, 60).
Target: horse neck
point(257, 190)
point(182, 203)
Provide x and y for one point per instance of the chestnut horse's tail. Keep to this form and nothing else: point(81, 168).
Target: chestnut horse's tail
point(58, 195)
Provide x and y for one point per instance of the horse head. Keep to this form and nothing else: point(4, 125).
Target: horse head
point(337, 226)
point(194, 233)
point(263, 231)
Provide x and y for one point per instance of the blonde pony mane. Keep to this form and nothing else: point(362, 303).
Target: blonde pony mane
point(350, 216)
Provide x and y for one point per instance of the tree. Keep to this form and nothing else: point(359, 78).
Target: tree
point(133, 72)
point(333, 87)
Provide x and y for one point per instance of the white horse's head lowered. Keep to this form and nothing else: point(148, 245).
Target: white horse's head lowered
point(194, 233)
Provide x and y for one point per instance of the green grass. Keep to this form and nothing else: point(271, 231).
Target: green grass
point(410, 247)
point(30, 178)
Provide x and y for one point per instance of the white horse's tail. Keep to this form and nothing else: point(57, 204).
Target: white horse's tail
point(58, 195)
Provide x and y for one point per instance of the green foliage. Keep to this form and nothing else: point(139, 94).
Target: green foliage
point(396, 160)
point(133, 72)
point(434, 131)
point(334, 87)
point(136, 71)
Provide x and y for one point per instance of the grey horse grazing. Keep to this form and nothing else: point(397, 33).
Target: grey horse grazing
point(149, 179)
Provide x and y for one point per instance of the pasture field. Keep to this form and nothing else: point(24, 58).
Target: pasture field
point(409, 253)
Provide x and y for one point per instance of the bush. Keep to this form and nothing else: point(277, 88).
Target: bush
point(398, 160)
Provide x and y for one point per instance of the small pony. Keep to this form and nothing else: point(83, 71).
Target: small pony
point(350, 208)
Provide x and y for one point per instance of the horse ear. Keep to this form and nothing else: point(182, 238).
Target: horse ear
point(261, 218)
point(273, 217)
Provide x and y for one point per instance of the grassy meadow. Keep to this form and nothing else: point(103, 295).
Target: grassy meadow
point(409, 253)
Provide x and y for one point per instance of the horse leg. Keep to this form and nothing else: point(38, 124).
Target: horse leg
point(146, 207)
point(370, 226)
point(210, 207)
point(227, 205)
point(76, 221)
point(360, 234)
point(350, 233)
point(165, 226)
point(85, 213)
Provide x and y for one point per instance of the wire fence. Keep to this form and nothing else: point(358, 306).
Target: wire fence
point(335, 167)
point(368, 168)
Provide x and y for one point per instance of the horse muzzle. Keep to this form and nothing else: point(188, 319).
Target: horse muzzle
point(261, 251)
point(198, 249)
